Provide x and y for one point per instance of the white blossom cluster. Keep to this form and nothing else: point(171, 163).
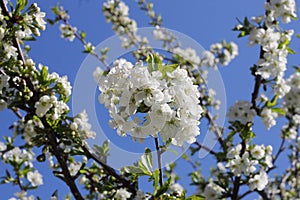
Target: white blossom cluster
point(164, 35)
point(284, 9)
point(167, 102)
point(274, 42)
point(268, 117)
point(22, 196)
point(219, 53)
point(46, 103)
point(122, 194)
point(247, 163)
point(241, 111)
point(67, 32)
point(187, 54)
point(33, 21)
point(22, 157)
point(3, 86)
point(81, 125)
point(177, 189)
point(117, 12)
point(30, 132)
point(18, 155)
point(291, 105)
point(212, 191)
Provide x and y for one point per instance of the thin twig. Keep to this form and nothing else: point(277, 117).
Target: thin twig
point(217, 130)
point(110, 170)
point(201, 146)
point(158, 151)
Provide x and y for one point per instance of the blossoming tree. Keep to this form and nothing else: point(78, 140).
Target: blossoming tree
point(162, 95)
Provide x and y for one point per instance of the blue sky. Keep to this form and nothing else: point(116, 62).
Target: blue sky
point(206, 22)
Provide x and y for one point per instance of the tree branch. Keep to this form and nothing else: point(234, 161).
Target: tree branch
point(200, 146)
point(58, 153)
point(110, 170)
point(158, 151)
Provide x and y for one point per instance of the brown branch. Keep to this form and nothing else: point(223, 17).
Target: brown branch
point(58, 153)
point(51, 135)
point(217, 130)
point(257, 84)
point(200, 146)
point(90, 154)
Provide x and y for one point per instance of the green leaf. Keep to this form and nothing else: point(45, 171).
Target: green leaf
point(82, 35)
point(44, 73)
point(285, 43)
point(155, 176)
point(280, 111)
point(25, 171)
point(242, 34)
point(20, 6)
point(290, 51)
point(164, 69)
point(296, 68)
point(148, 157)
point(142, 167)
point(135, 170)
point(153, 62)
point(246, 22)
point(273, 102)
point(55, 10)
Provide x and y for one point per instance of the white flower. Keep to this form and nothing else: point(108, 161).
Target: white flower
point(59, 108)
point(64, 86)
point(209, 59)
point(39, 17)
point(67, 32)
point(241, 111)
point(10, 51)
point(177, 188)
point(122, 194)
point(83, 179)
point(82, 125)
point(2, 32)
point(89, 47)
point(35, 178)
point(213, 191)
point(2, 146)
point(258, 152)
point(43, 105)
point(22, 196)
point(268, 117)
point(74, 168)
point(259, 181)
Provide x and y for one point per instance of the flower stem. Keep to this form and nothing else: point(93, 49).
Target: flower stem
point(158, 151)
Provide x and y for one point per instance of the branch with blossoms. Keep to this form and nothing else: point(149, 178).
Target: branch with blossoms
point(165, 98)
point(42, 97)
